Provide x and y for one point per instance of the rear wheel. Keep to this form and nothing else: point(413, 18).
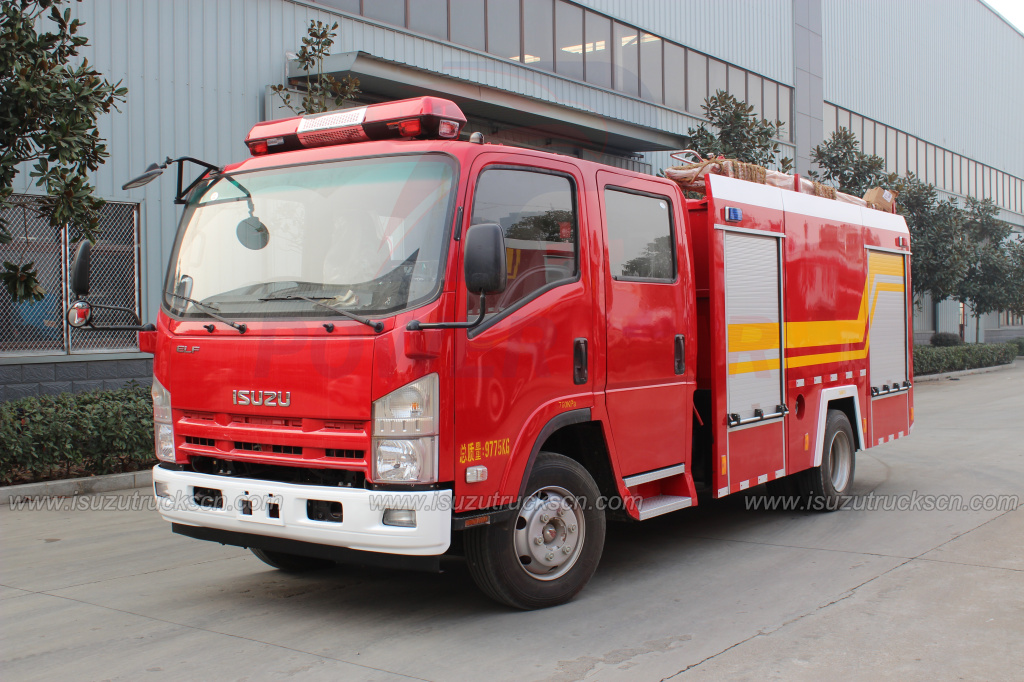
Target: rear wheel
point(827, 484)
point(291, 563)
point(548, 552)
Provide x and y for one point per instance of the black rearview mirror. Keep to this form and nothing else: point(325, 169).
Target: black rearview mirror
point(151, 174)
point(252, 233)
point(484, 260)
point(80, 270)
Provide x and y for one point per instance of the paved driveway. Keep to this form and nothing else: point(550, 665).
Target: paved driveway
point(716, 592)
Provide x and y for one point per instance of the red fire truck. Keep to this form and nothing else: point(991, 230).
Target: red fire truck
point(379, 343)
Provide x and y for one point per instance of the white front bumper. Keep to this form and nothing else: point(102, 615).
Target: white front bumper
point(360, 529)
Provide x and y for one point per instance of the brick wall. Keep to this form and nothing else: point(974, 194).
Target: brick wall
point(19, 381)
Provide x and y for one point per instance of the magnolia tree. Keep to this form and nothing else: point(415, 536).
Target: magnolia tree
point(734, 131)
point(50, 101)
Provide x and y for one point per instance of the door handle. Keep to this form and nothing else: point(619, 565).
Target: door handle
point(680, 353)
point(579, 361)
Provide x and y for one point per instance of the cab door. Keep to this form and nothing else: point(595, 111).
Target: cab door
point(648, 394)
point(529, 362)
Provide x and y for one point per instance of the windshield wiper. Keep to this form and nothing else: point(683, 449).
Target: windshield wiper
point(211, 311)
point(377, 326)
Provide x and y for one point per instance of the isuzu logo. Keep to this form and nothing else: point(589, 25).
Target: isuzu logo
point(264, 398)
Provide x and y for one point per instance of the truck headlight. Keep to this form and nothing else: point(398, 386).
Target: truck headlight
point(405, 434)
point(163, 428)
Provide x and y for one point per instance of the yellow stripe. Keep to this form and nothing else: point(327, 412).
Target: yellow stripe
point(753, 336)
point(753, 366)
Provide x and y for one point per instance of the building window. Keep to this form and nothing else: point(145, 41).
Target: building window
point(651, 67)
point(569, 40)
point(467, 23)
point(503, 29)
point(39, 327)
point(388, 11)
point(626, 58)
point(429, 17)
point(640, 239)
point(597, 50)
point(539, 38)
point(537, 211)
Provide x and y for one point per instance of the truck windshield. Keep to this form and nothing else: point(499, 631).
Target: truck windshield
point(366, 235)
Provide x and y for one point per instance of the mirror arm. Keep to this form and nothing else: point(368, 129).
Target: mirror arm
point(119, 309)
point(150, 327)
point(179, 198)
point(416, 325)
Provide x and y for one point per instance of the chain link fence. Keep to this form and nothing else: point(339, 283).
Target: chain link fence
point(39, 327)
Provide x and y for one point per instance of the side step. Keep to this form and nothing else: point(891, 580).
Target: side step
point(662, 504)
point(656, 475)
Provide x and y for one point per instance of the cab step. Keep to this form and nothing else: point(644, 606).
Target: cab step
point(662, 504)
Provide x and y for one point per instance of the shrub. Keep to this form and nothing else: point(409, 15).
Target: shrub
point(945, 339)
point(936, 360)
point(66, 435)
point(1020, 345)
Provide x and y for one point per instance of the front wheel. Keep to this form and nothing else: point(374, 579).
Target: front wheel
point(826, 485)
point(548, 552)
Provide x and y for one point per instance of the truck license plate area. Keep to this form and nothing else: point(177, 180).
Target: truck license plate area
point(261, 508)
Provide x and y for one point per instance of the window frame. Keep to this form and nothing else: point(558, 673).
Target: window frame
point(574, 191)
point(671, 228)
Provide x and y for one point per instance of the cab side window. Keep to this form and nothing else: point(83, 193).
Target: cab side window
point(641, 245)
point(537, 212)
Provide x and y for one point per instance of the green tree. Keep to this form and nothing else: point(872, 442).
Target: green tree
point(940, 260)
point(50, 101)
point(847, 168)
point(323, 91)
point(740, 133)
point(994, 259)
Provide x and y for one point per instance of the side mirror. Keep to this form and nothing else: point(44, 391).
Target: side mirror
point(80, 270)
point(484, 259)
point(79, 314)
point(151, 174)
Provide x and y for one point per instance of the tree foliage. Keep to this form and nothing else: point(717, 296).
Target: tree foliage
point(940, 259)
point(992, 281)
point(740, 133)
point(847, 168)
point(323, 91)
point(50, 101)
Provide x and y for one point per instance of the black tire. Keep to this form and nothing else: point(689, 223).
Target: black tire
point(291, 563)
point(510, 566)
point(824, 487)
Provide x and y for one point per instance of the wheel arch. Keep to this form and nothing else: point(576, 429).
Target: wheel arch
point(576, 436)
point(845, 399)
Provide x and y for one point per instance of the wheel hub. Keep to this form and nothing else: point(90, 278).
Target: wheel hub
point(549, 533)
point(841, 461)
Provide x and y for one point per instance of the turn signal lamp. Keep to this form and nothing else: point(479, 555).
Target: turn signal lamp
point(425, 118)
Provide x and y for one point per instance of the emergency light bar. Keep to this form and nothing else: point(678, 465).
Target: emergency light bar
point(422, 118)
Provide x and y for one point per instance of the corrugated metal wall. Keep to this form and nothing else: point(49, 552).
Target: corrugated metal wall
point(948, 71)
point(754, 34)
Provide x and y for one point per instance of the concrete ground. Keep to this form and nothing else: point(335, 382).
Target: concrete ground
point(716, 592)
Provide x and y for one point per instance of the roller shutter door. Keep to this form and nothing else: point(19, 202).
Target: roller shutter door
point(753, 342)
point(888, 313)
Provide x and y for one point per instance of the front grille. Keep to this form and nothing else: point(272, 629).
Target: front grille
point(345, 454)
point(333, 478)
point(276, 449)
point(207, 442)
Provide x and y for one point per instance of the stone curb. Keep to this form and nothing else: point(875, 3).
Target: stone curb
point(77, 486)
point(963, 373)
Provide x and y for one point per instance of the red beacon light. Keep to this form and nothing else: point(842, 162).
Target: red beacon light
point(425, 118)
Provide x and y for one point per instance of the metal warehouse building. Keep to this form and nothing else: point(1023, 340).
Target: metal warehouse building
point(933, 87)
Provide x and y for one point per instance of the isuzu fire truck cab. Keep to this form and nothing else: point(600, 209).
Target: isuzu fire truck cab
point(376, 338)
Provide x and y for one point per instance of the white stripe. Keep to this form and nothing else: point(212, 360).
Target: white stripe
point(762, 478)
point(730, 189)
point(744, 485)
